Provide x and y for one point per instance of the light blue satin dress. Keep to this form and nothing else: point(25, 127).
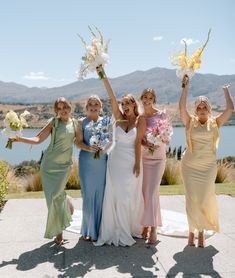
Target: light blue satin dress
point(92, 174)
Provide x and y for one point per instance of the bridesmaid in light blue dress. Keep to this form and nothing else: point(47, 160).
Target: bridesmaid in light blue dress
point(92, 171)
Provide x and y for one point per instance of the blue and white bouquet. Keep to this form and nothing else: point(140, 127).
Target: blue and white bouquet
point(102, 133)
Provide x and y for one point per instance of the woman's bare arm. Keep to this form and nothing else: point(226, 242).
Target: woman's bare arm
point(114, 103)
point(226, 114)
point(184, 115)
point(141, 129)
point(42, 136)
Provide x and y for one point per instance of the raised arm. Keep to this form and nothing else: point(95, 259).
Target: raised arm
point(114, 103)
point(225, 115)
point(184, 115)
point(42, 136)
point(141, 129)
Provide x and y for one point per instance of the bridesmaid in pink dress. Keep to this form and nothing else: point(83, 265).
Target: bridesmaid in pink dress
point(154, 158)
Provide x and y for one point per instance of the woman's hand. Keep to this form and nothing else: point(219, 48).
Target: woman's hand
point(137, 169)
point(101, 72)
point(14, 139)
point(226, 87)
point(185, 81)
point(99, 69)
point(94, 148)
point(152, 146)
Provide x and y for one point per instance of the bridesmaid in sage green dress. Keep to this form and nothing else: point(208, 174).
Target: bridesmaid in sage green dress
point(56, 166)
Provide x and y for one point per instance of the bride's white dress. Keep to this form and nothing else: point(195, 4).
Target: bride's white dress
point(123, 200)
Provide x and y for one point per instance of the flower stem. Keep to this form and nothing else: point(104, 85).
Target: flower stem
point(9, 144)
point(101, 73)
point(97, 155)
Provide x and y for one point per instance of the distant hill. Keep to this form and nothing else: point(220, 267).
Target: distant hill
point(164, 81)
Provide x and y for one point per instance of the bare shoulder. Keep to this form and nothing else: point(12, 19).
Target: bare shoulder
point(141, 120)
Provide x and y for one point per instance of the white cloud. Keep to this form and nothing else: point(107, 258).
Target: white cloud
point(233, 60)
point(189, 41)
point(40, 75)
point(158, 38)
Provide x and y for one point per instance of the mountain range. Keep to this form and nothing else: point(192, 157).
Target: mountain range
point(164, 81)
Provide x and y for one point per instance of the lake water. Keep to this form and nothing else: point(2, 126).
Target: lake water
point(21, 152)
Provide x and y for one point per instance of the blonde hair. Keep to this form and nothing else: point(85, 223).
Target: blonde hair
point(133, 100)
point(204, 100)
point(63, 100)
point(92, 97)
point(151, 91)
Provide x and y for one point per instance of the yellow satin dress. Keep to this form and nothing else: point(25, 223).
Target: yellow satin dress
point(199, 171)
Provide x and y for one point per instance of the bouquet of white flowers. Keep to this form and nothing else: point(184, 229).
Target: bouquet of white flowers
point(96, 54)
point(14, 125)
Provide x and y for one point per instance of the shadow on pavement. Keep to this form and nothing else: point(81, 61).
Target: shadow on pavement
point(194, 262)
point(138, 260)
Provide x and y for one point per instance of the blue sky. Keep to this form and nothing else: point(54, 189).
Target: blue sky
point(39, 45)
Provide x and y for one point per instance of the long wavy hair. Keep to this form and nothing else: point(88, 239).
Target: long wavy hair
point(133, 100)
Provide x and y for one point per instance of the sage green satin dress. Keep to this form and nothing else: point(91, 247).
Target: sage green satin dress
point(55, 171)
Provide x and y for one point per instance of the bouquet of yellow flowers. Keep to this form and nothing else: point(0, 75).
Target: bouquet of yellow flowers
point(14, 125)
point(188, 65)
point(96, 54)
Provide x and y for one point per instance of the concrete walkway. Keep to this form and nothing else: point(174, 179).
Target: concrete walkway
point(24, 252)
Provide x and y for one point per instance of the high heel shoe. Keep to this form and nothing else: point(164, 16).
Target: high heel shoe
point(191, 239)
point(145, 233)
point(152, 238)
point(59, 240)
point(201, 240)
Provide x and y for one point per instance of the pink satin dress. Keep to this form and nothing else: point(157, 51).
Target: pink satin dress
point(153, 169)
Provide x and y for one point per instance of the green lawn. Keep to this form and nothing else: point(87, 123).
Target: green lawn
point(221, 188)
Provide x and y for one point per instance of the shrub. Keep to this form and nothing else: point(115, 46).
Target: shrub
point(4, 168)
point(224, 170)
point(33, 182)
point(15, 183)
point(172, 172)
point(26, 167)
point(74, 181)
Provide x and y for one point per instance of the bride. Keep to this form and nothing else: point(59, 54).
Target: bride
point(123, 201)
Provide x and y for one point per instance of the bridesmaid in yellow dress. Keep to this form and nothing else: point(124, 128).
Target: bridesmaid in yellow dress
point(56, 167)
point(199, 166)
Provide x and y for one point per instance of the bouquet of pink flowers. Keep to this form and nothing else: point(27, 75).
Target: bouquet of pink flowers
point(159, 134)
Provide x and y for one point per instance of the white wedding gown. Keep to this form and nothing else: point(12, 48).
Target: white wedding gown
point(123, 200)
